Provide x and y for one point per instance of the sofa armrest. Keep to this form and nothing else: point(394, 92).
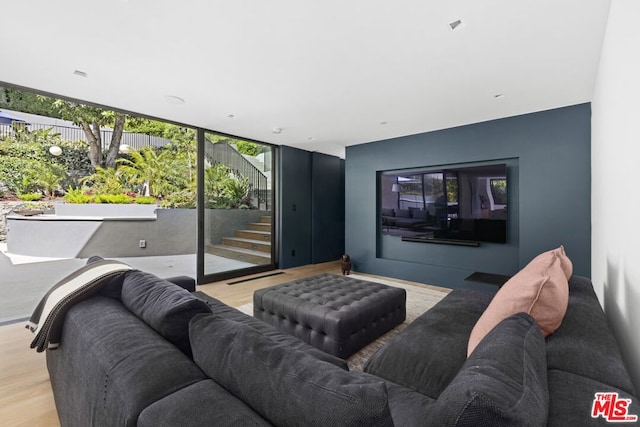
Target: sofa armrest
point(111, 365)
point(185, 282)
point(222, 309)
point(583, 344)
point(503, 383)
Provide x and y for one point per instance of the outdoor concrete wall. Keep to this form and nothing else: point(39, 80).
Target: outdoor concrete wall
point(173, 232)
point(5, 209)
point(43, 236)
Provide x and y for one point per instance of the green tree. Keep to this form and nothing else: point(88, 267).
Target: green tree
point(91, 119)
point(148, 127)
point(27, 102)
point(249, 148)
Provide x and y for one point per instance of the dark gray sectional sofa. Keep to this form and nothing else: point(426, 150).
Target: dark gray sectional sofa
point(406, 218)
point(146, 352)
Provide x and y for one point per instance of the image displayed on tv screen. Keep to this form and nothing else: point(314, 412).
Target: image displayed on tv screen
point(449, 204)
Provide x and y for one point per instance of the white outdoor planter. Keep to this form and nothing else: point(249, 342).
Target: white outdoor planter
point(106, 210)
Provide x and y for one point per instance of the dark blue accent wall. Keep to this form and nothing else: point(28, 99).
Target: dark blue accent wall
point(311, 206)
point(295, 207)
point(327, 207)
point(549, 172)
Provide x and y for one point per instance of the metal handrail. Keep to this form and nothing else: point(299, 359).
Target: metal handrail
point(225, 154)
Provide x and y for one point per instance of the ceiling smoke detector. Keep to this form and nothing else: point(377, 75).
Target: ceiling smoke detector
point(276, 130)
point(455, 24)
point(80, 73)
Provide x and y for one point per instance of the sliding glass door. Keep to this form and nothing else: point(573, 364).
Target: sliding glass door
point(235, 215)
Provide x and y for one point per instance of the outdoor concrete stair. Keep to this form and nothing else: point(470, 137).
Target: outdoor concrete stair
point(263, 236)
point(260, 226)
point(240, 254)
point(252, 245)
point(255, 245)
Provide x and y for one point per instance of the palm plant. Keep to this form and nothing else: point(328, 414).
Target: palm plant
point(50, 177)
point(104, 181)
point(161, 171)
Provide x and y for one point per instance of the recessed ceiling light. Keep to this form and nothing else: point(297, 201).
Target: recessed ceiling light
point(455, 24)
point(498, 96)
point(80, 73)
point(310, 138)
point(383, 123)
point(231, 116)
point(276, 130)
point(174, 100)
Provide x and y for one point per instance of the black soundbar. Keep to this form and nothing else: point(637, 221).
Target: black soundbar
point(441, 241)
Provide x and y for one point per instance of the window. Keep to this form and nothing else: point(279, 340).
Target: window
point(237, 207)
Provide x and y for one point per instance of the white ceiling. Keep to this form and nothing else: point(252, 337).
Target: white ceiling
point(329, 73)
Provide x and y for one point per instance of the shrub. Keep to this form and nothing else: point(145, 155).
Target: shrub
point(224, 189)
point(185, 199)
point(17, 174)
point(144, 200)
point(30, 197)
point(119, 199)
point(77, 195)
point(27, 164)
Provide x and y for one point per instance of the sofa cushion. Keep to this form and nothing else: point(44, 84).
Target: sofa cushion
point(388, 212)
point(163, 305)
point(409, 408)
point(403, 213)
point(204, 403)
point(418, 214)
point(502, 383)
point(287, 387)
point(428, 353)
point(540, 289)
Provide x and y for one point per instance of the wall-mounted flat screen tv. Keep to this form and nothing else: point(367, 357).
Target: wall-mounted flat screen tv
point(466, 203)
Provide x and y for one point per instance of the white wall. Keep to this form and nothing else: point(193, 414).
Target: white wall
point(615, 186)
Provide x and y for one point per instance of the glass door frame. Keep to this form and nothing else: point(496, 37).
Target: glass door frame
point(201, 276)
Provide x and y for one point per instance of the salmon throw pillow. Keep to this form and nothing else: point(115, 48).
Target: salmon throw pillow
point(540, 289)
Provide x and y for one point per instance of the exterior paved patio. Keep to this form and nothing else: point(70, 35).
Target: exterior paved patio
point(24, 280)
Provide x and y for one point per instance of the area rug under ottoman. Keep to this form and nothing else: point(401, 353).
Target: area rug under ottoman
point(336, 314)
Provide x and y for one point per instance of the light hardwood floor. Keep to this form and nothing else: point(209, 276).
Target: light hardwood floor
point(25, 392)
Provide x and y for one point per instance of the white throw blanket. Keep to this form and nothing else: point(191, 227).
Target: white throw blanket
point(46, 320)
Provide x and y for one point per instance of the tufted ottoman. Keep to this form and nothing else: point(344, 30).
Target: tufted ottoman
point(336, 314)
